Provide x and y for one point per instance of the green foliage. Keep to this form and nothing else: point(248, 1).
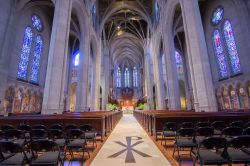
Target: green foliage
point(141, 106)
point(112, 106)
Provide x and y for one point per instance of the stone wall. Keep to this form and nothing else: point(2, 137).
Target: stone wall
point(233, 92)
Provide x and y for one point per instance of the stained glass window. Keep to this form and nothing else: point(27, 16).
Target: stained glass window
point(179, 63)
point(37, 23)
point(25, 53)
point(36, 59)
point(231, 47)
point(157, 14)
point(94, 14)
point(119, 79)
point(219, 51)
point(126, 76)
point(135, 77)
point(76, 59)
point(217, 15)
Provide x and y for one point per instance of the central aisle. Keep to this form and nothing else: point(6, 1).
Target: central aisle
point(129, 144)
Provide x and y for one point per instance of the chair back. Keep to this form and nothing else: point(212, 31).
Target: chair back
point(237, 124)
point(202, 124)
point(246, 131)
point(56, 134)
point(87, 127)
point(218, 125)
point(187, 125)
point(39, 126)
point(43, 145)
point(186, 132)
point(240, 142)
point(14, 134)
point(56, 126)
point(38, 134)
point(214, 143)
point(7, 127)
point(205, 131)
point(74, 134)
point(10, 147)
point(25, 128)
point(232, 131)
point(70, 126)
point(171, 126)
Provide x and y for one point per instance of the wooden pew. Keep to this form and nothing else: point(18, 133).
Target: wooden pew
point(103, 122)
point(154, 120)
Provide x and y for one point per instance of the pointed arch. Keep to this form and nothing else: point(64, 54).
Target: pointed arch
point(231, 47)
point(25, 54)
point(220, 56)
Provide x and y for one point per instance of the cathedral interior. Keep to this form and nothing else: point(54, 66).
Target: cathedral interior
point(131, 56)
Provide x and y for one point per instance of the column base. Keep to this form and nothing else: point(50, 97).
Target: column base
point(207, 109)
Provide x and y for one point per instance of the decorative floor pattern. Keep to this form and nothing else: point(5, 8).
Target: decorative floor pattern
point(129, 144)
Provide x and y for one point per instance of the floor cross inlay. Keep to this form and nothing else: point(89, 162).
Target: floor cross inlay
point(130, 149)
point(129, 145)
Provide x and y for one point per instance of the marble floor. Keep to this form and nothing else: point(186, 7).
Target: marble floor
point(129, 145)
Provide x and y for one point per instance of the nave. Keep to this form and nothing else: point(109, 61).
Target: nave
point(129, 144)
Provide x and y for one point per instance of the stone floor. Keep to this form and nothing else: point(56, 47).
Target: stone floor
point(129, 144)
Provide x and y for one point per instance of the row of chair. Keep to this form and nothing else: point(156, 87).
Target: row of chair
point(68, 139)
point(34, 153)
point(218, 125)
point(194, 138)
point(218, 150)
point(25, 127)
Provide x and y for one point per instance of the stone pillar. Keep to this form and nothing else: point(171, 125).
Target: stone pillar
point(97, 74)
point(106, 77)
point(82, 83)
point(54, 92)
point(148, 78)
point(6, 44)
point(159, 81)
point(203, 90)
point(173, 95)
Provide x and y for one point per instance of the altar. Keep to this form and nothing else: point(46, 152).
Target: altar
point(127, 109)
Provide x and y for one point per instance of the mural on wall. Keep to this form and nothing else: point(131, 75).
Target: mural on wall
point(18, 100)
point(9, 99)
point(22, 100)
point(234, 97)
point(226, 99)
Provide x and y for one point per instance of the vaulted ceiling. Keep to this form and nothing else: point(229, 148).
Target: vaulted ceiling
point(125, 25)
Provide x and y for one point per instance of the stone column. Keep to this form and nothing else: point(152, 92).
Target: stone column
point(82, 83)
point(54, 92)
point(173, 95)
point(97, 74)
point(106, 77)
point(203, 90)
point(148, 78)
point(159, 81)
point(6, 45)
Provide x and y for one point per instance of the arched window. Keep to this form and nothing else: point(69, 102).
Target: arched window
point(24, 71)
point(25, 53)
point(76, 59)
point(230, 57)
point(231, 47)
point(217, 15)
point(219, 51)
point(135, 77)
point(126, 76)
point(36, 22)
point(36, 59)
point(94, 14)
point(157, 12)
point(118, 78)
point(179, 63)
